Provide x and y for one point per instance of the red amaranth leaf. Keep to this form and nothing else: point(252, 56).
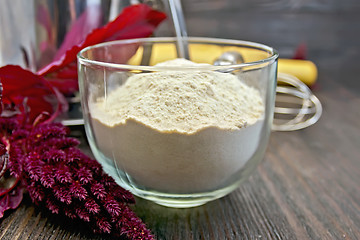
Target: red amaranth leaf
point(7, 184)
point(21, 87)
point(66, 83)
point(87, 22)
point(135, 21)
point(300, 52)
point(4, 159)
point(44, 19)
point(11, 200)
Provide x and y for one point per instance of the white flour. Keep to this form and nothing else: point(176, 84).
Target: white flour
point(180, 132)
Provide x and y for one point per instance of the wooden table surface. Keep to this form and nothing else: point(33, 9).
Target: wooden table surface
point(308, 186)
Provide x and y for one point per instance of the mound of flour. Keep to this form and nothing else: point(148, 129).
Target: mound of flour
point(179, 132)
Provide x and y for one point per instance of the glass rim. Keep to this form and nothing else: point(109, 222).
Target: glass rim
point(204, 40)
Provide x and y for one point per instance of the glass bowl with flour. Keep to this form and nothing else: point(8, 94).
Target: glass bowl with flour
point(180, 132)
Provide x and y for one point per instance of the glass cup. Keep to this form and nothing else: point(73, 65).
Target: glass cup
point(171, 133)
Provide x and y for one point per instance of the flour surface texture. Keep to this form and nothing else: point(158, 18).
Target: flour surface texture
point(179, 131)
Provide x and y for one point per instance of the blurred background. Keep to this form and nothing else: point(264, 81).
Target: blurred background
point(329, 29)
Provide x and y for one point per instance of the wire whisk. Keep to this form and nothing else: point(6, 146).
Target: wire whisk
point(296, 107)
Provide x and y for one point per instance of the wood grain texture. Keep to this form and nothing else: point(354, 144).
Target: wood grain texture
point(307, 187)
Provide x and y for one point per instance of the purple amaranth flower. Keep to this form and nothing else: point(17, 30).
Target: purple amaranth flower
point(55, 155)
point(78, 191)
point(84, 175)
point(63, 173)
point(59, 177)
point(92, 206)
point(98, 190)
point(47, 177)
